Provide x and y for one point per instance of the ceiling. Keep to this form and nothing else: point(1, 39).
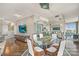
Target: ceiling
point(10, 10)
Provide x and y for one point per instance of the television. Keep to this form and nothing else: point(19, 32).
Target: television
point(56, 28)
point(22, 28)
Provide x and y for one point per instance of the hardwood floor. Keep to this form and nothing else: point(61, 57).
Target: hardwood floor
point(72, 47)
point(14, 48)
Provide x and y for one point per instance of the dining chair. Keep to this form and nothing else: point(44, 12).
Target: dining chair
point(56, 45)
point(51, 51)
point(55, 41)
point(61, 48)
point(54, 38)
point(34, 51)
point(41, 35)
point(35, 38)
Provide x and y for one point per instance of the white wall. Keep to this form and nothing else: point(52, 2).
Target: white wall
point(29, 23)
point(4, 27)
point(0, 27)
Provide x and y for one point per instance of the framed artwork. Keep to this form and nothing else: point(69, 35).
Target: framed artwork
point(22, 28)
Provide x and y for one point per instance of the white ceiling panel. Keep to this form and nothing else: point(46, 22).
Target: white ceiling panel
point(8, 10)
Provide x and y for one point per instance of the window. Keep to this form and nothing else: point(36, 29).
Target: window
point(70, 28)
point(38, 28)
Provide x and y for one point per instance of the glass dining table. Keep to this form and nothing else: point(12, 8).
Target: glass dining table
point(46, 42)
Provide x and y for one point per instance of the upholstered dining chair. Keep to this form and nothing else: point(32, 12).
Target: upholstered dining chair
point(51, 51)
point(54, 47)
point(34, 50)
point(54, 38)
point(35, 38)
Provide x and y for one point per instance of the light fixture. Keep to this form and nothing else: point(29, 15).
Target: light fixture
point(12, 24)
point(56, 16)
point(18, 15)
point(44, 5)
point(43, 19)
